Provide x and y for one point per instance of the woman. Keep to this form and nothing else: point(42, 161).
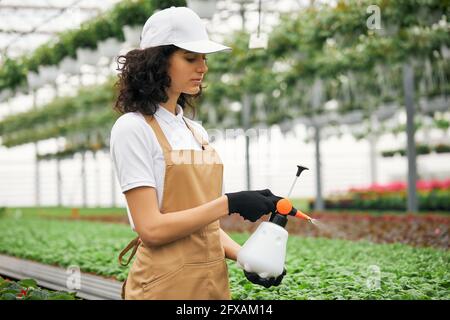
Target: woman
point(170, 175)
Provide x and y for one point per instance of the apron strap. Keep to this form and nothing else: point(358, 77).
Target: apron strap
point(122, 293)
point(165, 145)
point(197, 137)
point(133, 244)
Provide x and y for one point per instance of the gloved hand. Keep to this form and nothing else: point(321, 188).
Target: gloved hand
point(252, 205)
point(255, 278)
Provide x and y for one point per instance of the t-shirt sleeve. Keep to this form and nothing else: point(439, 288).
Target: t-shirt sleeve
point(131, 152)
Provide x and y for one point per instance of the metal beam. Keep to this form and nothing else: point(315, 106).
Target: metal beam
point(55, 278)
point(48, 8)
point(73, 5)
point(25, 32)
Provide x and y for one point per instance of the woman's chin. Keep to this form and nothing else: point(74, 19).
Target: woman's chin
point(192, 90)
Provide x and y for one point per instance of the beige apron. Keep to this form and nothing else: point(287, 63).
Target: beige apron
point(192, 267)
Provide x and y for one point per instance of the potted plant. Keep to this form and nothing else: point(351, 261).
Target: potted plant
point(423, 149)
point(442, 148)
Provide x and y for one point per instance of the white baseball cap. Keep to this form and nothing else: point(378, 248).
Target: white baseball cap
point(179, 26)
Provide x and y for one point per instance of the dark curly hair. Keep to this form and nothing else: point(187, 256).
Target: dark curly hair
point(143, 80)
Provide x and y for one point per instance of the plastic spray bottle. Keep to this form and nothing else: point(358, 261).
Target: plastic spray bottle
point(264, 252)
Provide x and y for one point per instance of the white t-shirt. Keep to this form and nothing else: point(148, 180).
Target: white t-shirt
point(136, 154)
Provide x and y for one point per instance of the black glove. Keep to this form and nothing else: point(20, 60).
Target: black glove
point(274, 281)
point(252, 205)
point(270, 196)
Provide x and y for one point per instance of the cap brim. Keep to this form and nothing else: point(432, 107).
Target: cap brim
point(203, 46)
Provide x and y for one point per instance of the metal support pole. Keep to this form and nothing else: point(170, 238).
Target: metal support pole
point(37, 181)
point(408, 87)
point(318, 205)
point(242, 14)
point(97, 179)
point(373, 158)
point(113, 186)
point(316, 101)
point(59, 182)
point(37, 178)
point(58, 164)
point(83, 179)
point(246, 124)
point(373, 139)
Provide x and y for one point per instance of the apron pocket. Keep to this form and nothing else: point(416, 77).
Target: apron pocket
point(192, 281)
point(161, 278)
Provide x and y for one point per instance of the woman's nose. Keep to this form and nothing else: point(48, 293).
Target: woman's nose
point(203, 67)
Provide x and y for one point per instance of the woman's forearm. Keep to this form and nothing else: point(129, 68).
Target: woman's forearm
point(176, 225)
point(230, 246)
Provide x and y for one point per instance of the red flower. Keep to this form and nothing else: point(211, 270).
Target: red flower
point(22, 293)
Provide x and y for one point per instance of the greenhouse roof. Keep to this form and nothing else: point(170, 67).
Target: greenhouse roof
point(27, 24)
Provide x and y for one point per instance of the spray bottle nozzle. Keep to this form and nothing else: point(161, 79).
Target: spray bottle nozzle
point(284, 207)
point(300, 169)
point(302, 215)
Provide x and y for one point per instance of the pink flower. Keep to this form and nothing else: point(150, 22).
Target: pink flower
point(445, 184)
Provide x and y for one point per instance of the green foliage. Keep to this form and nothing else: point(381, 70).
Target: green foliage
point(337, 269)
point(63, 212)
point(94, 247)
point(434, 200)
point(317, 268)
point(27, 289)
point(420, 149)
point(330, 42)
point(61, 109)
point(442, 148)
point(12, 73)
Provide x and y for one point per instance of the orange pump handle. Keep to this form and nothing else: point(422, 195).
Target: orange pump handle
point(284, 207)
